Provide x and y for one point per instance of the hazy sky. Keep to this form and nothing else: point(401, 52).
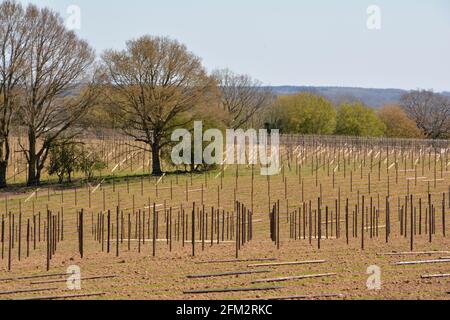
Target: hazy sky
point(288, 42)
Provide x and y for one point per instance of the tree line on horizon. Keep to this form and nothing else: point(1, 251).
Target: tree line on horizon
point(54, 85)
point(420, 114)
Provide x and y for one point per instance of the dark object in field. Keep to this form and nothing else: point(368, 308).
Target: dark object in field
point(66, 297)
point(2, 293)
point(226, 274)
point(82, 279)
point(35, 277)
point(236, 260)
point(432, 276)
point(412, 253)
point(231, 290)
point(421, 262)
point(306, 297)
point(309, 276)
point(280, 264)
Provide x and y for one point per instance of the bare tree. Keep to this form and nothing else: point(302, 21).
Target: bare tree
point(14, 39)
point(59, 86)
point(430, 111)
point(241, 96)
point(153, 83)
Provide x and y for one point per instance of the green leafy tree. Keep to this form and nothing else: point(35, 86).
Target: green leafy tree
point(212, 117)
point(63, 161)
point(305, 113)
point(356, 119)
point(89, 162)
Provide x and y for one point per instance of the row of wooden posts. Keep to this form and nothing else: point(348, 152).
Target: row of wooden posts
point(414, 219)
point(200, 225)
point(181, 224)
point(51, 230)
point(316, 166)
point(184, 225)
point(196, 225)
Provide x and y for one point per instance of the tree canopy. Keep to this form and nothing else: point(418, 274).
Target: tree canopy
point(154, 84)
point(430, 111)
point(397, 123)
point(306, 113)
point(356, 119)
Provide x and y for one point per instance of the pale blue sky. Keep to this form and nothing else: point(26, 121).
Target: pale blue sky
point(288, 42)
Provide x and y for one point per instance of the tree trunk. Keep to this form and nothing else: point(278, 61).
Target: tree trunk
point(156, 160)
point(3, 167)
point(33, 178)
point(4, 159)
